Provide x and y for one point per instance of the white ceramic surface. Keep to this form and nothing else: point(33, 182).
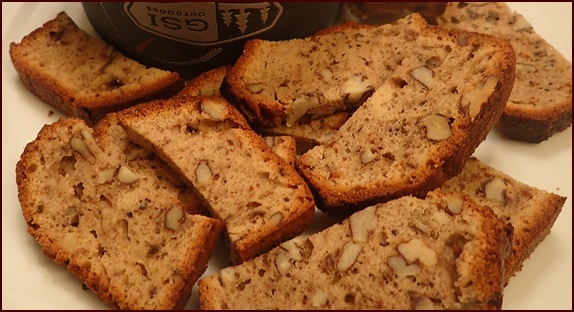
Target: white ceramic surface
point(32, 281)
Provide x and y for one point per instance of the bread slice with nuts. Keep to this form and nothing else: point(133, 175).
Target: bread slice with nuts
point(82, 76)
point(261, 199)
point(531, 211)
point(306, 135)
point(444, 252)
point(421, 125)
point(540, 104)
point(113, 223)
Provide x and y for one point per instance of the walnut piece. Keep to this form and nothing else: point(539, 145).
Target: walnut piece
point(356, 88)
point(437, 127)
point(520, 23)
point(80, 146)
point(401, 268)
point(441, 217)
point(348, 256)
point(362, 222)
point(299, 107)
point(126, 176)
point(424, 75)
point(215, 110)
point(423, 303)
point(417, 249)
point(494, 189)
point(106, 175)
point(137, 152)
point(319, 299)
point(202, 172)
point(367, 156)
point(474, 100)
point(275, 219)
point(255, 87)
point(173, 218)
point(291, 252)
point(454, 203)
point(326, 74)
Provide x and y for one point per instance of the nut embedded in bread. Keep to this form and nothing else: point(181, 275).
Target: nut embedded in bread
point(82, 76)
point(261, 199)
point(444, 252)
point(421, 125)
point(531, 211)
point(111, 224)
point(307, 135)
point(540, 104)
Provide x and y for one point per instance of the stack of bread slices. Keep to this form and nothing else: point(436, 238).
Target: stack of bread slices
point(373, 125)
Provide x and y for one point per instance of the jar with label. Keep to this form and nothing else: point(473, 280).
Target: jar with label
point(192, 37)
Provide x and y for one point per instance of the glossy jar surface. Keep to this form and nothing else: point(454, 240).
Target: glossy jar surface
point(192, 37)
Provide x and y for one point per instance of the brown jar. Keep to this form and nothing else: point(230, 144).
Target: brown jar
point(192, 37)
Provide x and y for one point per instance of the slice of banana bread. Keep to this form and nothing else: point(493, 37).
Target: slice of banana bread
point(261, 199)
point(540, 104)
point(444, 252)
point(531, 211)
point(420, 126)
point(110, 223)
point(82, 76)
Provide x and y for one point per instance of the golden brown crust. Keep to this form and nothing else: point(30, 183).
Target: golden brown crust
point(94, 81)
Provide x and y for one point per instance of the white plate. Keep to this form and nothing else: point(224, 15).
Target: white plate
point(32, 281)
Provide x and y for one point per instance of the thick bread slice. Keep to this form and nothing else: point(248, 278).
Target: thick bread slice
point(419, 127)
point(540, 104)
point(261, 199)
point(404, 254)
point(109, 223)
point(306, 135)
point(531, 211)
point(82, 76)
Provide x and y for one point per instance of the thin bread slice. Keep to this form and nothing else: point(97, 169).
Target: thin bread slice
point(443, 252)
point(261, 199)
point(540, 104)
point(420, 126)
point(82, 76)
point(531, 211)
point(128, 239)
